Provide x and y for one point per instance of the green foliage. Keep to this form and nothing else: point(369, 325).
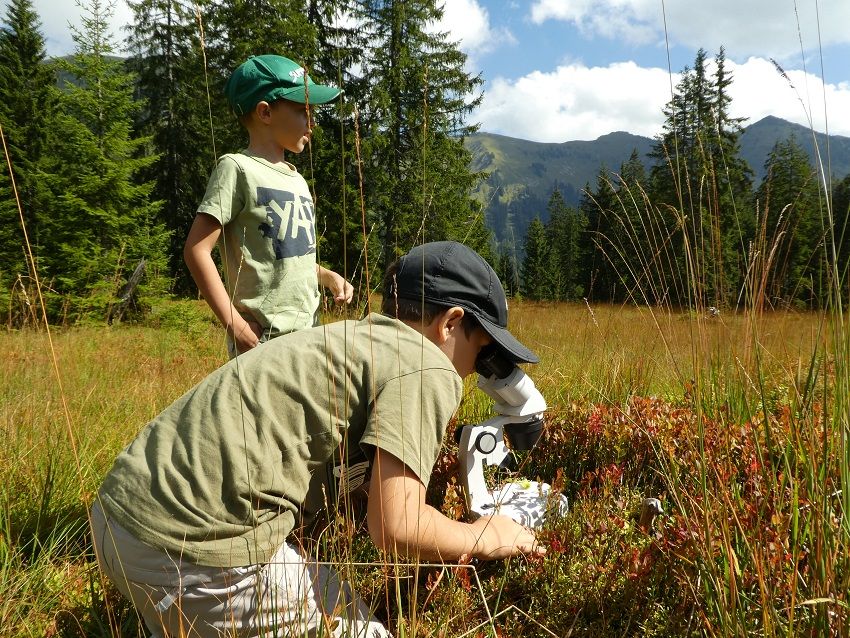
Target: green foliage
point(239, 29)
point(537, 264)
point(566, 251)
point(522, 173)
point(103, 221)
point(792, 230)
point(683, 234)
point(507, 267)
point(346, 240)
point(701, 180)
point(554, 255)
point(413, 126)
point(346, 232)
point(168, 68)
point(606, 267)
point(840, 236)
point(412, 109)
point(191, 318)
point(26, 106)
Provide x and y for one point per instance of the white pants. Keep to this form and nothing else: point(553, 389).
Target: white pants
point(287, 597)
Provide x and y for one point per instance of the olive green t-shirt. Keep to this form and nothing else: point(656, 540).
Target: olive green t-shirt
point(268, 240)
point(219, 476)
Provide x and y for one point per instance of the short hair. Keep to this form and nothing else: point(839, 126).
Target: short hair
point(415, 310)
point(245, 118)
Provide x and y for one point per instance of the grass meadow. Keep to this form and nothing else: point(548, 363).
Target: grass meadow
point(737, 423)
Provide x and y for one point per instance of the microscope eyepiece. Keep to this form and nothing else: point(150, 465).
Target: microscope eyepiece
point(512, 389)
point(492, 362)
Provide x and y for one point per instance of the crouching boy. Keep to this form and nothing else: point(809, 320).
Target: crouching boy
point(192, 521)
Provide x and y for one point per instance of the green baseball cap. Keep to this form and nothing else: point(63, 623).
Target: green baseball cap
point(273, 77)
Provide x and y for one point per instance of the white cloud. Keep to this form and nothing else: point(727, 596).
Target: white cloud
point(755, 27)
point(632, 20)
point(56, 16)
point(576, 102)
point(758, 90)
point(468, 23)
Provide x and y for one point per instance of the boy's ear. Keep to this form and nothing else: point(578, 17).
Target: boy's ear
point(446, 322)
point(263, 111)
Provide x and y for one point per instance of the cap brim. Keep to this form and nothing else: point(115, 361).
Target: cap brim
point(509, 344)
point(316, 94)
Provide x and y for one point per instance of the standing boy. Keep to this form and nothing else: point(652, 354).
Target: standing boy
point(192, 521)
point(260, 210)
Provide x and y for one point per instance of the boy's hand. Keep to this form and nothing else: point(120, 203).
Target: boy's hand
point(502, 537)
point(247, 335)
point(339, 287)
point(400, 521)
point(345, 294)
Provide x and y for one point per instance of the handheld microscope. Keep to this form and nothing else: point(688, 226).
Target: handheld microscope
point(520, 408)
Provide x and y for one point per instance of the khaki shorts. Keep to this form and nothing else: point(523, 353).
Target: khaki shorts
point(287, 597)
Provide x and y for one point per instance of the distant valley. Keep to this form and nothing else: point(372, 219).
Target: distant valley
point(523, 174)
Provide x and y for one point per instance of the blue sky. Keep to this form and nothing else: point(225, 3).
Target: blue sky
point(558, 70)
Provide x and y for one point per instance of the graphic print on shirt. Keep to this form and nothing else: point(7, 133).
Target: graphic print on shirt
point(290, 222)
point(343, 477)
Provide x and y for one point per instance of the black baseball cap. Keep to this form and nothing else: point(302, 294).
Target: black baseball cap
point(447, 273)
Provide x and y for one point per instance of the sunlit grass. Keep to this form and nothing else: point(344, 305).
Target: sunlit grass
point(608, 353)
point(113, 381)
point(116, 379)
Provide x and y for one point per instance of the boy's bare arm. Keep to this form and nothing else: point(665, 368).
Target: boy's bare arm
point(340, 288)
point(400, 521)
point(197, 253)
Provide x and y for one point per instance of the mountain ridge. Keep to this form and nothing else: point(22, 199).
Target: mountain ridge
point(522, 174)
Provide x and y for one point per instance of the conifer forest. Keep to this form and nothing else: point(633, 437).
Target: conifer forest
point(110, 154)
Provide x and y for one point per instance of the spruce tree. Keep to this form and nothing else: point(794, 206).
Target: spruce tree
point(636, 218)
point(841, 235)
point(645, 251)
point(733, 214)
point(330, 162)
point(603, 239)
point(103, 223)
point(507, 267)
point(564, 232)
point(26, 109)
point(633, 174)
point(414, 122)
point(536, 265)
point(237, 30)
point(164, 39)
point(792, 231)
point(701, 186)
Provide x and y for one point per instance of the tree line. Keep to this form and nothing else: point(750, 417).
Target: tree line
point(110, 156)
point(693, 229)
